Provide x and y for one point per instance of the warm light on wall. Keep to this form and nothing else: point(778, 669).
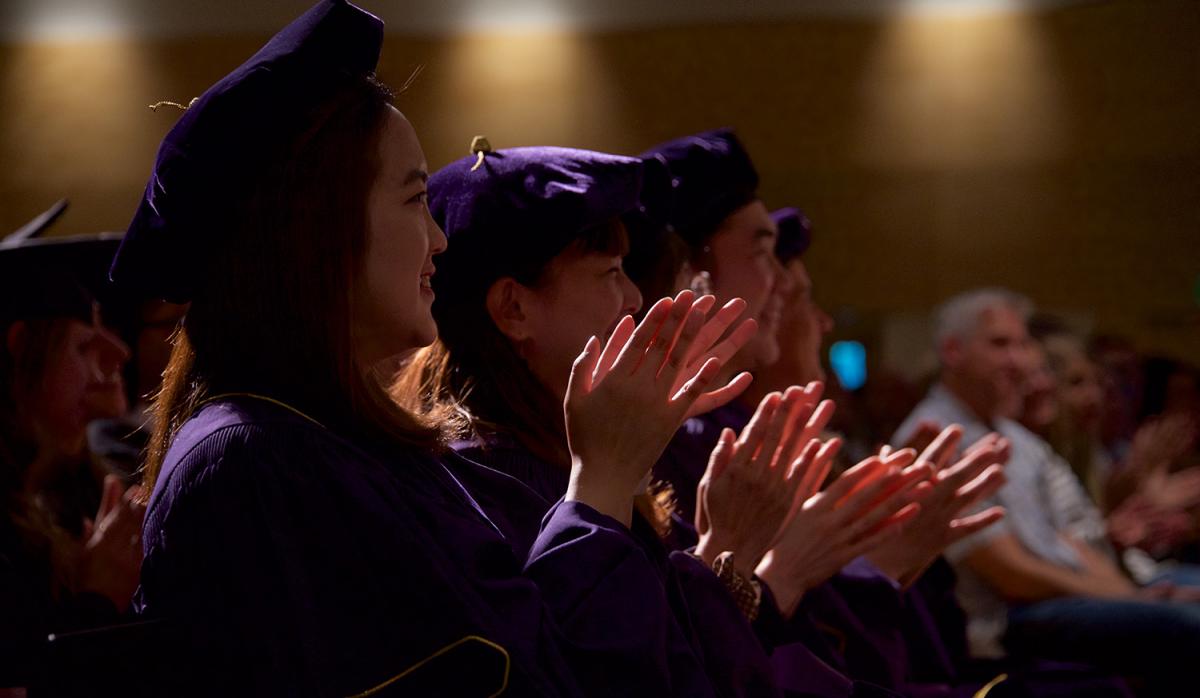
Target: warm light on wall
point(959, 91)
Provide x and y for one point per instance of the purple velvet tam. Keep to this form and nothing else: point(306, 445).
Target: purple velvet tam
point(711, 176)
point(521, 207)
point(208, 163)
point(795, 233)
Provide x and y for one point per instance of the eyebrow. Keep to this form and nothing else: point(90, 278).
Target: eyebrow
point(417, 174)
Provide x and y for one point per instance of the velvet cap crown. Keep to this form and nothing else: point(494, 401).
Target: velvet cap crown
point(711, 177)
point(795, 233)
point(520, 208)
point(207, 165)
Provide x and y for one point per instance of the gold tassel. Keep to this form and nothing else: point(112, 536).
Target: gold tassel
point(480, 147)
point(177, 105)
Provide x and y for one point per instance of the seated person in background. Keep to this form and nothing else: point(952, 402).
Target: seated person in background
point(1031, 583)
point(70, 547)
point(1146, 509)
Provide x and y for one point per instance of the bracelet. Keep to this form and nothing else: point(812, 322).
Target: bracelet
point(746, 592)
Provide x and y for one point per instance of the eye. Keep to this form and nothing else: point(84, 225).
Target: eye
point(421, 197)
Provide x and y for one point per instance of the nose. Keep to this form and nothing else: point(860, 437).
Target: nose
point(113, 352)
point(824, 320)
point(437, 237)
point(632, 296)
point(782, 283)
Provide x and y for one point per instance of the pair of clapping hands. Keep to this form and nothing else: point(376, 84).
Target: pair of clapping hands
point(761, 496)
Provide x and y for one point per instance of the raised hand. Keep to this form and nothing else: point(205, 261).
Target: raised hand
point(1159, 442)
point(708, 345)
point(754, 481)
point(951, 490)
point(867, 506)
point(625, 402)
point(110, 559)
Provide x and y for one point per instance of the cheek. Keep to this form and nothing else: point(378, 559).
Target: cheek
point(64, 387)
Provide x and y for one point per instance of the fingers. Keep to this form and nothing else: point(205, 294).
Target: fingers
point(620, 336)
point(110, 496)
point(732, 344)
point(818, 421)
point(924, 435)
point(755, 433)
point(584, 368)
point(799, 411)
point(885, 531)
point(822, 463)
point(694, 388)
point(863, 472)
point(634, 350)
point(721, 396)
point(945, 445)
point(660, 343)
point(974, 523)
point(677, 354)
point(968, 468)
point(715, 328)
point(768, 453)
point(722, 455)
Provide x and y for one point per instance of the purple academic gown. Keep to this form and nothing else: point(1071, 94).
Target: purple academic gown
point(712, 649)
point(292, 561)
point(861, 623)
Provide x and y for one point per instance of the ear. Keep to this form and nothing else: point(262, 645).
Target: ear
point(15, 337)
point(508, 305)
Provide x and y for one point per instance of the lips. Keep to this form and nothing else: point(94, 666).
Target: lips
point(427, 278)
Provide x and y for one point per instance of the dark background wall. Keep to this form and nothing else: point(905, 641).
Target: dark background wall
point(1056, 152)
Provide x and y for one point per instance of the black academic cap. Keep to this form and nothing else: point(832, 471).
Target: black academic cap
point(207, 163)
point(59, 277)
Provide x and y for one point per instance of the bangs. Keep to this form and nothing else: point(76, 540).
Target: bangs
point(608, 238)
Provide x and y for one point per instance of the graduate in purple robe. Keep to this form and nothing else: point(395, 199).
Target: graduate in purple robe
point(860, 620)
point(305, 535)
point(533, 271)
point(507, 327)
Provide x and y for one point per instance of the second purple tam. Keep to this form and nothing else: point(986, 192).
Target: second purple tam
point(711, 177)
point(515, 209)
point(795, 233)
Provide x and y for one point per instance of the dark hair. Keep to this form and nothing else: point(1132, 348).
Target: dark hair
point(21, 375)
point(655, 260)
point(276, 318)
point(473, 381)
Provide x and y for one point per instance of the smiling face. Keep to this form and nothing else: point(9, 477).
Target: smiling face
point(393, 298)
point(580, 294)
point(79, 378)
point(987, 364)
point(740, 256)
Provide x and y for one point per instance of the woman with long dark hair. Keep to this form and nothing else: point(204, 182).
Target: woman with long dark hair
point(306, 535)
point(69, 536)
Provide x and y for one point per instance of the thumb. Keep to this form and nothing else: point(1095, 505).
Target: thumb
point(580, 382)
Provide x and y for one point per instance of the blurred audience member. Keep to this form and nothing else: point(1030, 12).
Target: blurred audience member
point(1043, 581)
point(70, 546)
